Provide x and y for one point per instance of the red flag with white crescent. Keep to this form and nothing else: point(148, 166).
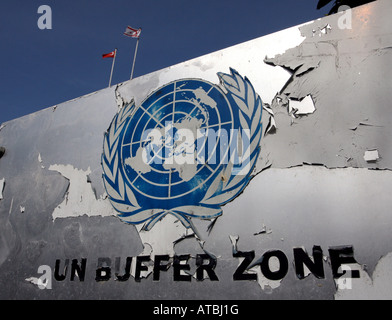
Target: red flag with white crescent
point(109, 55)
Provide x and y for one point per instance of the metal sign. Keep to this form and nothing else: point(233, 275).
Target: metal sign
point(257, 172)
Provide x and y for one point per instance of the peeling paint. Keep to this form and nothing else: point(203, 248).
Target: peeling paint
point(376, 287)
point(162, 238)
point(2, 152)
point(234, 243)
point(271, 126)
point(326, 123)
point(80, 199)
point(148, 264)
point(265, 284)
point(334, 67)
point(2, 185)
point(40, 161)
point(120, 101)
point(322, 30)
point(364, 123)
point(263, 230)
point(211, 225)
point(371, 156)
point(33, 280)
point(253, 269)
point(302, 107)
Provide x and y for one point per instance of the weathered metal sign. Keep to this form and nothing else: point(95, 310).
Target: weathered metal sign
point(260, 171)
point(186, 151)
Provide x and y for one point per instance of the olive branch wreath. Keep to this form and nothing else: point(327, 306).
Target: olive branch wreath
point(227, 184)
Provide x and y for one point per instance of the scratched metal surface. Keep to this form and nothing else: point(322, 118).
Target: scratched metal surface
point(313, 184)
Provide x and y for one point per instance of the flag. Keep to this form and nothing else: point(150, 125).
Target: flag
point(132, 32)
point(109, 55)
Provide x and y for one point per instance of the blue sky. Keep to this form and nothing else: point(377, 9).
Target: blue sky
point(42, 68)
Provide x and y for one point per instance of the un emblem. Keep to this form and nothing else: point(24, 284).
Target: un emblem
point(187, 150)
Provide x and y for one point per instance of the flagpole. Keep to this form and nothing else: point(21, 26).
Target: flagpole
point(134, 57)
point(111, 73)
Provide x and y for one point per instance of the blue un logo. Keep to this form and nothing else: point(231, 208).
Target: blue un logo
point(188, 149)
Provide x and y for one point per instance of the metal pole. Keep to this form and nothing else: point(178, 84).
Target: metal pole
point(111, 73)
point(134, 57)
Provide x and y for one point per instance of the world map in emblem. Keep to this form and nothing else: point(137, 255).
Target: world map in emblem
point(189, 148)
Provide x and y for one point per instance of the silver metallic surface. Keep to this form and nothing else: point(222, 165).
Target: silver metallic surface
point(318, 181)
